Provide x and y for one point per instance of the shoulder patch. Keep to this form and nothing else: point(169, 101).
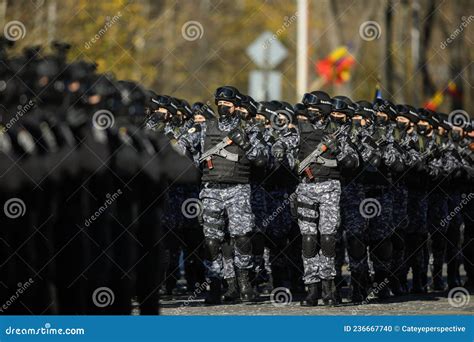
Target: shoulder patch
point(192, 130)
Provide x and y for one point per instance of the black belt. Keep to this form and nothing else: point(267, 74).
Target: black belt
point(220, 185)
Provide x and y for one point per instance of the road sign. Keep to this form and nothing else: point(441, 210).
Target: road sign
point(265, 85)
point(267, 51)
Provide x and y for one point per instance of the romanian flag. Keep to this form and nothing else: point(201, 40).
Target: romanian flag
point(336, 67)
point(437, 99)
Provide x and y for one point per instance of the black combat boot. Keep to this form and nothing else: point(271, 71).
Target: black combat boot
point(438, 281)
point(246, 291)
point(213, 296)
point(232, 293)
point(312, 296)
point(359, 284)
point(329, 292)
point(382, 289)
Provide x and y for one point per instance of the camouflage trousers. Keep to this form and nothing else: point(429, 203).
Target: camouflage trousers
point(417, 233)
point(277, 218)
point(417, 212)
point(400, 209)
point(233, 200)
point(278, 224)
point(258, 202)
point(318, 213)
point(437, 212)
point(352, 223)
point(400, 220)
point(379, 224)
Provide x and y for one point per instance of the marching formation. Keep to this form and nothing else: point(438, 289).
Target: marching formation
point(110, 190)
point(389, 184)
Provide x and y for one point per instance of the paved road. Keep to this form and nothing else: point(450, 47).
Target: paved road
point(430, 304)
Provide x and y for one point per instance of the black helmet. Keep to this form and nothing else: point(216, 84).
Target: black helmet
point(444, 121)
point(408, 112)
point(318, 99)
point(300, 109)
point(342, 104)
point(364, 109)
point(184, 108)
point(250, 104)
point(286, 109)
point(267, 109)
point(426, 115)
point(387, 107)
point(228, 93)
point(165, 101)
point(200, 108)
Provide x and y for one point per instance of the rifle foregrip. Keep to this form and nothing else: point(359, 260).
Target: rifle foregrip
point(309, 173)
point(210, 165)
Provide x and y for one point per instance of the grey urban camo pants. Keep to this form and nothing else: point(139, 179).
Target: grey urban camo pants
point(318, 212)
point(235, 201)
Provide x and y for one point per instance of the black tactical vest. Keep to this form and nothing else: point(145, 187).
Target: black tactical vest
point(309, 140)
point(224, 171)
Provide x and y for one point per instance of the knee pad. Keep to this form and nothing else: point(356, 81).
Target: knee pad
point(383, 249)
point(309, 246)
point(398, 242)
point(213, 248)
point(243, 244)
point(328, 245)
point(258, 243)
point(227, 250)
point(356, 248)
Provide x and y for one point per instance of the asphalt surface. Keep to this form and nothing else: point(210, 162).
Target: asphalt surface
point(429, 304)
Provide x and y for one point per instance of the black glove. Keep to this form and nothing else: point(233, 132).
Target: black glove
point(240, 138)
point(278, 151)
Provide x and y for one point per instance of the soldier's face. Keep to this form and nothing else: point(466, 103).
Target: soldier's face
point(339, 116)
point(243, 112)
point(94, 99)
point(74, 86)
point(226, 103)
point(260, 117)
point(358, 120)
point(441, 130)
point(199, 118)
